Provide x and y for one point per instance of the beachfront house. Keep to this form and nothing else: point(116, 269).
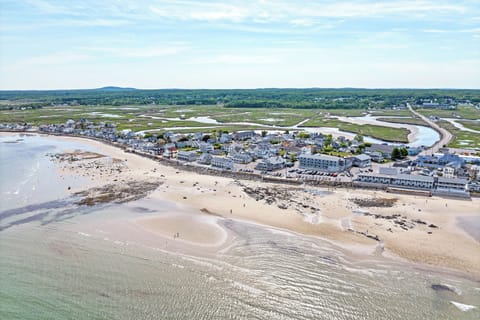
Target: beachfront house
point(241, 157)
point(189, 156)
point(451, 184)
point(322, 162)
point(205, 158)
point(271, 164)
point(408, 181)
point(222, 163)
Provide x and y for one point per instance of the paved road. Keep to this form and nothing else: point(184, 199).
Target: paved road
point(445, 136)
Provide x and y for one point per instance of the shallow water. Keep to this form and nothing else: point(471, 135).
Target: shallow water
point(426, 136)
point(86, 265)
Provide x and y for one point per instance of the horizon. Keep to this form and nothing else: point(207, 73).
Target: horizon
point(227, 45)
point(106, 88)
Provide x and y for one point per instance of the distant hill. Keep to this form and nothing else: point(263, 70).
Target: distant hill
point(112, 88)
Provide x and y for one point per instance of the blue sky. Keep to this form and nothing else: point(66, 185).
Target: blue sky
point(47, 44)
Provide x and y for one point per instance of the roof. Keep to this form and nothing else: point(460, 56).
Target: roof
point(275, 160)
point(320, 156)
point(187, 152)
point(381, 147)
point(452, 180)
point(400, 176)
point(362, 157)
point(414, 177)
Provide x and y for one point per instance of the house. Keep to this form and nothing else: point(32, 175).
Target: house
point(233, 148)
point(408, 181)
point(448, 172)
point(189, 156)
point(385, 149)
point(322, 162)
point(224, 138)
point(362, 161)
point(205, 147)
point(205, 158)
point(451, 184)
point(244, 135)
point(222, 163)
point(270, 164)
point(169, 150)
point(241, 157)
point(376, 156)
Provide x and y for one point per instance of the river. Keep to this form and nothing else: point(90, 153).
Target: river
point(420, 135)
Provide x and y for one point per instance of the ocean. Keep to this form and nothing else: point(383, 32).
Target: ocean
point(59, 261)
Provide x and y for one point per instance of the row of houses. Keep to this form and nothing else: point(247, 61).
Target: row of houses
point(437, 185)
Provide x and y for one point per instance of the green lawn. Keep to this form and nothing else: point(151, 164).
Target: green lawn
point(379, 132)
point(415, 121)
point(462, 112)
point(471, 124)
point(461, 139)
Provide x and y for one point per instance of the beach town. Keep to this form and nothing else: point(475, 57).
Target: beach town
point(368, 198)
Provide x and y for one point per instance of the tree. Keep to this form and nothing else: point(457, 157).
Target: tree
point(264, 133)
point(358, 138)
point(396, 154)
point(293, 158)
point(329, 139)
point(303, 135)
point(403, 152)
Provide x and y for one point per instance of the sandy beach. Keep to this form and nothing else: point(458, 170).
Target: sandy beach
point(414, 228)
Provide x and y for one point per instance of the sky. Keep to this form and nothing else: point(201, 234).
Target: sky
point(77, 44)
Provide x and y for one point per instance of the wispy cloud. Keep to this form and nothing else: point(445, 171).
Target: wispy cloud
point(279, 42)
point(139, 52)
point(56, 58)
point(247, 59)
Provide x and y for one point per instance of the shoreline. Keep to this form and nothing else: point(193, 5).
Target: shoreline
point(449, 248)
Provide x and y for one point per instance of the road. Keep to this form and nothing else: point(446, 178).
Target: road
point(445, 135)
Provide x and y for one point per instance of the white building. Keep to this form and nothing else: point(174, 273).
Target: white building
point(270, 164)
point(322, 162)
point(362, 161)
point(189, 156)
point(241, 157)
point(451, 184)
point(205, 158)
point(409, 181)
point(222, 163)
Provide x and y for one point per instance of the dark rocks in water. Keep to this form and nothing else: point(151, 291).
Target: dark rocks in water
point(376, 238)
point(375, 202)
point(442, 287)
point(419, 221)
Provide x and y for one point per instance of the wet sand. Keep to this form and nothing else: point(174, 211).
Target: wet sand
point(471, 225)
point(193, 229)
